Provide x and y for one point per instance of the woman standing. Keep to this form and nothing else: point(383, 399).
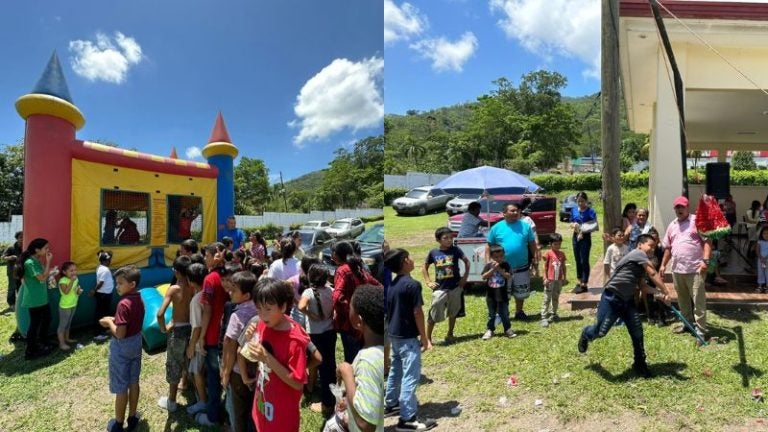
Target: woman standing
point(583, 223)
point(348, 276)
point(33, 268)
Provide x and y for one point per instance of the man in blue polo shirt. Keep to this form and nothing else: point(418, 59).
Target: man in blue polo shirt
point(232, 231)
point(519, 242)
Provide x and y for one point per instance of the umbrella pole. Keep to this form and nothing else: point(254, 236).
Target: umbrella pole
point(487, 208)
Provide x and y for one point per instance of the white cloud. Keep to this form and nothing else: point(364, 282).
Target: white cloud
point(344, 94)
point(569, 28)
point(446, 55)
point(193, 152)
point(402, 22)
point(105, 59)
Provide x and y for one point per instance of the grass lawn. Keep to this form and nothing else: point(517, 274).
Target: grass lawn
point(70, 391)
point(706, 389)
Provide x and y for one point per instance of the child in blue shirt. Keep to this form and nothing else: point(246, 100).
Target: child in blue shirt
point(405, 327)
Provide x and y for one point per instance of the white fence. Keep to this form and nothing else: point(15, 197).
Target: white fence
point(411, 180)
point(8, 229)
point(287, 219)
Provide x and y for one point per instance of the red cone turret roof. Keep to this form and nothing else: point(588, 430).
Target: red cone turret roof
point(219, 132)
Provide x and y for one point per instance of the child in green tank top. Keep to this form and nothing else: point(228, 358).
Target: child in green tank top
point(69, 288)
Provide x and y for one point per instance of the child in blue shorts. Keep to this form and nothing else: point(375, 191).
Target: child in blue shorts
point(125, 348)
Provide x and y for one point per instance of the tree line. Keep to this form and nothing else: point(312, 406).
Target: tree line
point(352, 179)
point(526, 127)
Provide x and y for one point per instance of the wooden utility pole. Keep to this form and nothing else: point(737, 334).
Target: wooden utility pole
point(282, 188)
point(609, 90)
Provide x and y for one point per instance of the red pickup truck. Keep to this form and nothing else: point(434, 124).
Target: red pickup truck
point(543, 211)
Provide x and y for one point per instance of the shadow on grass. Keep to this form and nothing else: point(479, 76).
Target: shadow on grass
point(667, 369)
point(743, 368)
point(14, 363)
point(6, 311)
point(178, 421)
point(423, 380)
point(438, 410)
point(741, 315)
point(569, 318)
point(459, 339)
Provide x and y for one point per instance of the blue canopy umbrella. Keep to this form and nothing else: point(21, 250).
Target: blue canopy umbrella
point(487, 179)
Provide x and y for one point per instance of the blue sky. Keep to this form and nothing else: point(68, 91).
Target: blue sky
point(444, 52)
point(294, 79)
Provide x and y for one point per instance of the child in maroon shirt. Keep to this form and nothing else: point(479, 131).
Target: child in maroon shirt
point(125, 348)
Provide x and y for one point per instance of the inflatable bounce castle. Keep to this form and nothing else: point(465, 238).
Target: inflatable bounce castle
point(85, 197)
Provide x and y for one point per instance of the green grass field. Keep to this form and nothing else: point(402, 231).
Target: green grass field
point(694, 389)
point(69, 391)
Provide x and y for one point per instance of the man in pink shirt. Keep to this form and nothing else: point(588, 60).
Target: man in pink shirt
point(690, 254)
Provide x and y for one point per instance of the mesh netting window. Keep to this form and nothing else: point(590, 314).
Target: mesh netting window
point(124, 218)
point(185, 219)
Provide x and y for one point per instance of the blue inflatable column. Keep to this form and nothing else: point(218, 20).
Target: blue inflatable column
point(221, 153)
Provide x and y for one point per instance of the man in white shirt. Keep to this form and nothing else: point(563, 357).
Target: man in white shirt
point(470, 225)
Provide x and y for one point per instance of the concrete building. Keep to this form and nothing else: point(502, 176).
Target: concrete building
point(721, 50)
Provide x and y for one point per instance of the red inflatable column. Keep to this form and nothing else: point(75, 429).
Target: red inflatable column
point(49, 139)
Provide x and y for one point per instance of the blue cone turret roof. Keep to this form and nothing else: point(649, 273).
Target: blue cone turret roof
point(52, 82)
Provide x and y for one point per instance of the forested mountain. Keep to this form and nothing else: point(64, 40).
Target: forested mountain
point(525, 127)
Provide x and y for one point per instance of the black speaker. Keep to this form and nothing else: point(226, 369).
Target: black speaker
point(719, 179)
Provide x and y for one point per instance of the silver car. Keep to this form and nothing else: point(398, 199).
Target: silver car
point(421, 200)
point(346, 228)
point(460, 203)
point(315, 225)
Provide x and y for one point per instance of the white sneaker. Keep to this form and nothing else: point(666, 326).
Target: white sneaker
point(167, 404)
point(510, 333)
point(196, 407)
point(487, 335)
point(202, 420)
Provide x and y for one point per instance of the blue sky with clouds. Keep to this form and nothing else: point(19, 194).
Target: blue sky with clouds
point(294, 79)
point(444, 52)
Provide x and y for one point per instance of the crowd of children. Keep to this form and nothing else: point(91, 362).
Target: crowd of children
point(250, 332)
point(253, 331)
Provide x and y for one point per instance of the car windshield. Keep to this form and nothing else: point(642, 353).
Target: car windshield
point(306, 238)
point(416, 194)
point(340, 225)
point(496, 206)
point(467, 196)
point(374, 234)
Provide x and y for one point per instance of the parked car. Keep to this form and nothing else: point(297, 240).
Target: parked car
point(313, 241)
point(566, 205)
point(316, 224)
point(421, 200)
point(370, 251)
point(460, 203)
point(346, 228)
point(543, 210)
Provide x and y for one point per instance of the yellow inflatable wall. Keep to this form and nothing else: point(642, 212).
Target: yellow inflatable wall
point(89, 179)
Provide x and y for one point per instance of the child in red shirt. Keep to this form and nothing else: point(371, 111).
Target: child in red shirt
point(279, 345)
point(554, 278)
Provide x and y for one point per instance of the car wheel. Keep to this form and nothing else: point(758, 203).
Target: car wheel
point(422, 211)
